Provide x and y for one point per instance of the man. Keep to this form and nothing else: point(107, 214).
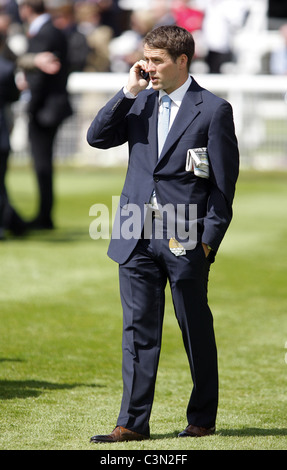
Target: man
point(197, 167)
point(9, 219)
point(49, 104)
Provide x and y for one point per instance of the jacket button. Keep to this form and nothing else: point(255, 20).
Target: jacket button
point(156, 179)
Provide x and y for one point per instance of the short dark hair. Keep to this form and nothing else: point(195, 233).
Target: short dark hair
point(38, 6)
point(174, 39)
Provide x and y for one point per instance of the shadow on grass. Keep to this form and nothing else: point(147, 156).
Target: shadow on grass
point(8, 359)
point(168, 435)
point(10, 389)
point(252, 432)
point(245, 432)
point(60, 235)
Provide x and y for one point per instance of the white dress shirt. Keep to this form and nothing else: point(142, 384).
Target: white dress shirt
point(37, 24)
point(176, 99)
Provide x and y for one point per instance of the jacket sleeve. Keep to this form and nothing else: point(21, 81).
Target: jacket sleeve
point(224, 162)
point(109, 128)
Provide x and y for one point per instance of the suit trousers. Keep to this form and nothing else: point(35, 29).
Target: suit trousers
point(9, 218)
point(143, 280)
point(42, 142)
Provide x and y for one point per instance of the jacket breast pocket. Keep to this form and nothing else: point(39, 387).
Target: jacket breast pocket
point(198, 139)
point(191, 141)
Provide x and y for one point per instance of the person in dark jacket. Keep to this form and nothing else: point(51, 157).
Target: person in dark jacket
point(49, 102)
point(9, 219)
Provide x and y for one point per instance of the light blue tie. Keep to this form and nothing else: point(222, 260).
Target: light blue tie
point(163, 122)
point(162, 129)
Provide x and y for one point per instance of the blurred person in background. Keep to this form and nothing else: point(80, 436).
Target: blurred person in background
point(16, 41)
point(186, 15)
point(11, 9)
point(278, 58)
point(112, 14)
point(222, 18)
point(98, 36)
point(49, 103)
point(63, 18)
point(6, 24)
point(162, 13)
point(126, 49)
point(9, 219)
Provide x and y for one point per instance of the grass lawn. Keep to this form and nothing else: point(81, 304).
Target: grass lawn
point(60, 317)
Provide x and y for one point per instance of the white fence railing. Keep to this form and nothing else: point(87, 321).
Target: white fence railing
point(260, 113)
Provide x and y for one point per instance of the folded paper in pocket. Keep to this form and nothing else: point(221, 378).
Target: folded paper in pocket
point(197, 162)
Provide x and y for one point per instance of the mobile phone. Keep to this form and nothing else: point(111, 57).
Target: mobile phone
point(144, 75)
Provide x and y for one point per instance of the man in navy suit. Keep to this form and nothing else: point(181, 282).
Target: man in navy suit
point(186, 187)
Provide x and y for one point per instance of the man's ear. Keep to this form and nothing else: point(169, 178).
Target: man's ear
point(182, 61)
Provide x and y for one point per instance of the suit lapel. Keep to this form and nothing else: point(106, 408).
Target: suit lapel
point(152, 112)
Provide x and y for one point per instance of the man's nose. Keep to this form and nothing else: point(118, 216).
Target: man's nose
point(150, 67)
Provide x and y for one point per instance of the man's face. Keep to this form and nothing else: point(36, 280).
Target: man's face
point(24, 11)
point(165, 74)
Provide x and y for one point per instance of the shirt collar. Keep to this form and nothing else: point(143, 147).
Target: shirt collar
point(177, 95)
point(37, 24)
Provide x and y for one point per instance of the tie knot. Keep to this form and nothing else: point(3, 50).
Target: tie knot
point(166, 101)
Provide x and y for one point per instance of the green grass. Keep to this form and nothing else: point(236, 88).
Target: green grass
point(60, 316)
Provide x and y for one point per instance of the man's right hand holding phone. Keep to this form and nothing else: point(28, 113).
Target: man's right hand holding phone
point(136, 81)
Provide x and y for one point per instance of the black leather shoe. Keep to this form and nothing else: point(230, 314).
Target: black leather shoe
point(196, 431)
point(39, 224)
point(119, 434)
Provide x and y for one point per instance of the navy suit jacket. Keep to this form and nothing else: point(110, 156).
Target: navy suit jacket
point(203, 120)
point(49, 98)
